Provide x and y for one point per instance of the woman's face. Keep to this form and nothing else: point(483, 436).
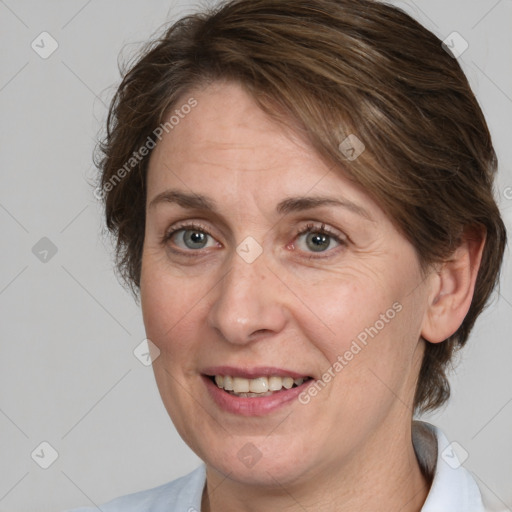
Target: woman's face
point(263, 264)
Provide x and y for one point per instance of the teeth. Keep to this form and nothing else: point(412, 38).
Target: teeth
point(288, 382)
point(228, 383)
point(275, 383)
point(260, 386)
point(240, 385)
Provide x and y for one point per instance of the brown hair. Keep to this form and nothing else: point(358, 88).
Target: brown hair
point(332, 68)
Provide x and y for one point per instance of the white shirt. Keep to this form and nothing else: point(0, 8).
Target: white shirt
point(453, 487)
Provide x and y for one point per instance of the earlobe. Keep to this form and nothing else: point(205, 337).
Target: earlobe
point(452, 288)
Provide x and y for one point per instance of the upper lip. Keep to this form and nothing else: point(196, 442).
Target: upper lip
point(251, 372)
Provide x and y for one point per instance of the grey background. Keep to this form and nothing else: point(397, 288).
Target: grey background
point(68, 375)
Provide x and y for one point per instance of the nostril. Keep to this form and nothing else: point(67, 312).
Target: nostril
point(259, 332)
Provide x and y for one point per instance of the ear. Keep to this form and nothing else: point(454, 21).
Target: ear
point(452, 287)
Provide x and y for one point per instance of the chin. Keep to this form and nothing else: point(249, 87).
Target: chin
point(259, 461)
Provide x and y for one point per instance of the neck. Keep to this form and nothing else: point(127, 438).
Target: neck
point(385, 476)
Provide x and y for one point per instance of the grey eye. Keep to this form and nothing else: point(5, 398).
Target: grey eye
point(193, 239)
point(318, 242)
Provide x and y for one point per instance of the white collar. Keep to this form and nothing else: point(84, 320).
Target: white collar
point(453, 488)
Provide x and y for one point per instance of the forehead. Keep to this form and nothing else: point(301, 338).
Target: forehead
point(227, 146)
point(227, 128)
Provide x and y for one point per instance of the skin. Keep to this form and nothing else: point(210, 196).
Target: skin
point(350, 447)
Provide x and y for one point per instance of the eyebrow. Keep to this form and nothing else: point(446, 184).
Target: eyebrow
point(189, 201)
point(289, 205)
point(295, 204)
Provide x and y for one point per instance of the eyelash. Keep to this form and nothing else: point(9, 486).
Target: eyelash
point(310, 227)
point(184, 226)
point(322, 229)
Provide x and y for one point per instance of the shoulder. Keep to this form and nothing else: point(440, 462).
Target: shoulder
point(453, 487)
point(183, 494)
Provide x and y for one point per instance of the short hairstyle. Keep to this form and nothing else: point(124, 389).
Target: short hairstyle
point(329, 69)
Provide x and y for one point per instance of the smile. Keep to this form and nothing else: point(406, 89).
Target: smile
point(253, 391)
point(256, 387)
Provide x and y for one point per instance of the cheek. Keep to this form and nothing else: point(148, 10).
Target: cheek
point(170, 307)
point(367, 326)
point(169, 303)
point(345, 306)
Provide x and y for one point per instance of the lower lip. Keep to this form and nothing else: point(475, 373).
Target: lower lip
point(255, 406)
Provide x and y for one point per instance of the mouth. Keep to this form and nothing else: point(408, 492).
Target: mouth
point(253, 391)
point(262, 386)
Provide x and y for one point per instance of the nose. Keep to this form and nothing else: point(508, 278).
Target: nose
point(248, 304)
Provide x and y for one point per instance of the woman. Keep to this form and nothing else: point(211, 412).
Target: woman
point(301, 192)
